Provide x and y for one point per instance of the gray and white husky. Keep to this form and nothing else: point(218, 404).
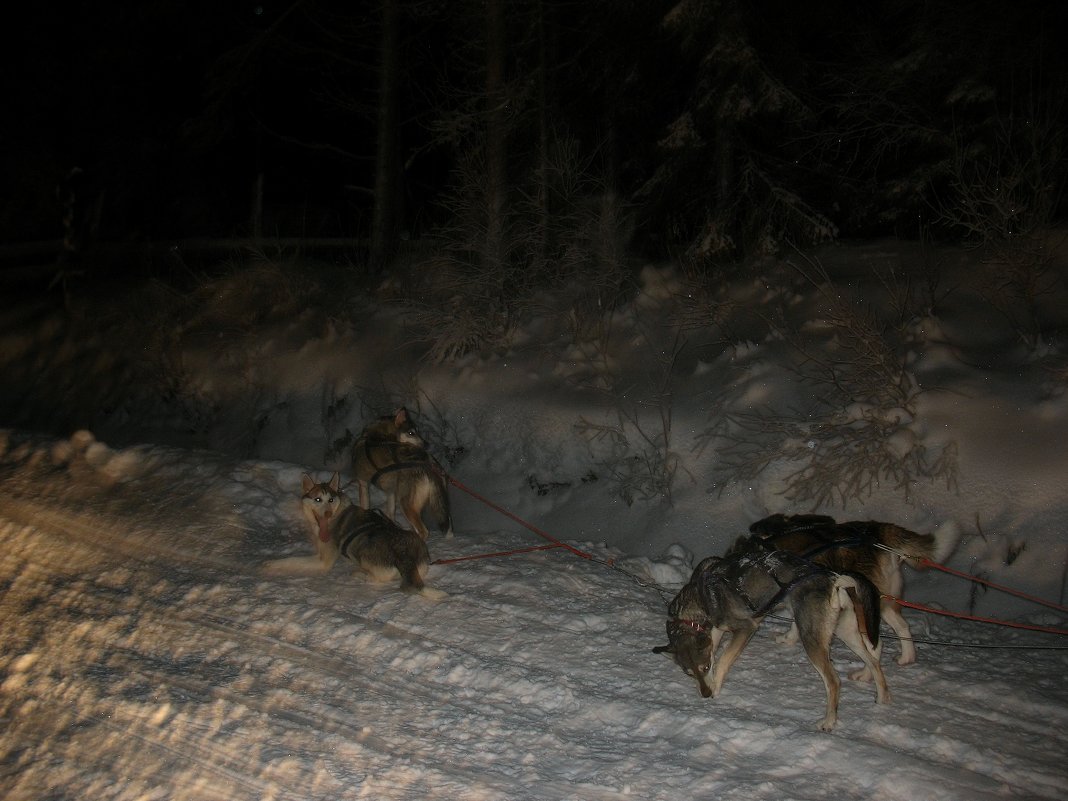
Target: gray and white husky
point(734, 593)
point(336, 527)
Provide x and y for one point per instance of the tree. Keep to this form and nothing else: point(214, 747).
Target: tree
point(722, 185)
point(383, 226)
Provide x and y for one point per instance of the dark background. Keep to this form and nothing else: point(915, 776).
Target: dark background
point(753, 120)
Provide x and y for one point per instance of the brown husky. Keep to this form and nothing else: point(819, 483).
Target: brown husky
point(391, 455)
point(875, 550)
point(379, 547)
point(735, 592)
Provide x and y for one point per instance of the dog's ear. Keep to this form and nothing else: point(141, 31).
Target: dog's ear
point(400, 417)
point(664, 649)
point(306, 483)
point(335, 482)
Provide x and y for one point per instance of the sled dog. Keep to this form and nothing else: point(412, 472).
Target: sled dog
point(379, 547)
point(735, 592)
point(875, 550)
point(391, 455)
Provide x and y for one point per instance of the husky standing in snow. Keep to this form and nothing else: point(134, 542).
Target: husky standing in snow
point(875, 550)
point(391, 455)
point(379, 547)
point(735, 592)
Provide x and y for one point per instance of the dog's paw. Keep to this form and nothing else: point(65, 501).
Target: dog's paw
point(864, 674)
point(789, 637)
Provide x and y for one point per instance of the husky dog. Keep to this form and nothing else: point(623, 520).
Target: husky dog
point(379, 547)
point(391, 455)
point(875, 550)
point(735, 592)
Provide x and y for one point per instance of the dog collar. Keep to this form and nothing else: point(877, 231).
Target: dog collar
point(691, 624)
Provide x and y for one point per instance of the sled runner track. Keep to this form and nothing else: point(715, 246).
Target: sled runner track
point(129, 546)
point(213, 760)
point(1036, 718)
point(497, 704)
point(84, 533)
point(325, 719)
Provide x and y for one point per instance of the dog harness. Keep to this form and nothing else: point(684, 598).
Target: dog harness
point(423, 463)
point(803, 572)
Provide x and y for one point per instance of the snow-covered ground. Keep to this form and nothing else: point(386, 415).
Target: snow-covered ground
point(144, 656)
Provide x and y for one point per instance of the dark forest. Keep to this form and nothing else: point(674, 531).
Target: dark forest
point(513, 132)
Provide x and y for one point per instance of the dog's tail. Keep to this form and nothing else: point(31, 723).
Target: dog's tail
point(412, 579)
point(917, 547)
point(858, 592)
point(439, 502)
point(946, 537)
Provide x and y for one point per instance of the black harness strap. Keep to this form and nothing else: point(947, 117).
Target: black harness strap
point(423, 463)
point(351, 536)
point(389, 468)
point(785, 588)
point(856, 542)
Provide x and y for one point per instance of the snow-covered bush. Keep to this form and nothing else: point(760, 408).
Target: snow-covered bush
point(856, 433)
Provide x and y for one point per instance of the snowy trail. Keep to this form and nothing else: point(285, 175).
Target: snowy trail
point(143, 657)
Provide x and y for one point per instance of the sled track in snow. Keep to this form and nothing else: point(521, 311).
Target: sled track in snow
point(192, 623)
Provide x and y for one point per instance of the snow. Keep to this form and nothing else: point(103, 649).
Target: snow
point(144, 655)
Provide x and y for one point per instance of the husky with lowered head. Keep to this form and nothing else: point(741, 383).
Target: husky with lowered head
point(380, 548)
point(392, 456)
point(734, 593)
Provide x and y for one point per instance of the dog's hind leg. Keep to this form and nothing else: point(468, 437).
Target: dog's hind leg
point(412, 513)
point(790, 637)
point(849, 631)
point(819, 654)
point(815, 624)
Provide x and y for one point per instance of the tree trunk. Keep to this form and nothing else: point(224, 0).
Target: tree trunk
point(496, 130)
point(544, 240)
point(384, 220)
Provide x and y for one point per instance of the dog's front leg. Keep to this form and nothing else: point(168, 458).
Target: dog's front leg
point(365, 494)
point(717, 637)
point(739, 639)
point(328, 554)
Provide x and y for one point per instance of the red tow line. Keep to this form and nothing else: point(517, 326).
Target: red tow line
point(1002, 588)
point(924, 562)
point(555, 542)
point(962, 616)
